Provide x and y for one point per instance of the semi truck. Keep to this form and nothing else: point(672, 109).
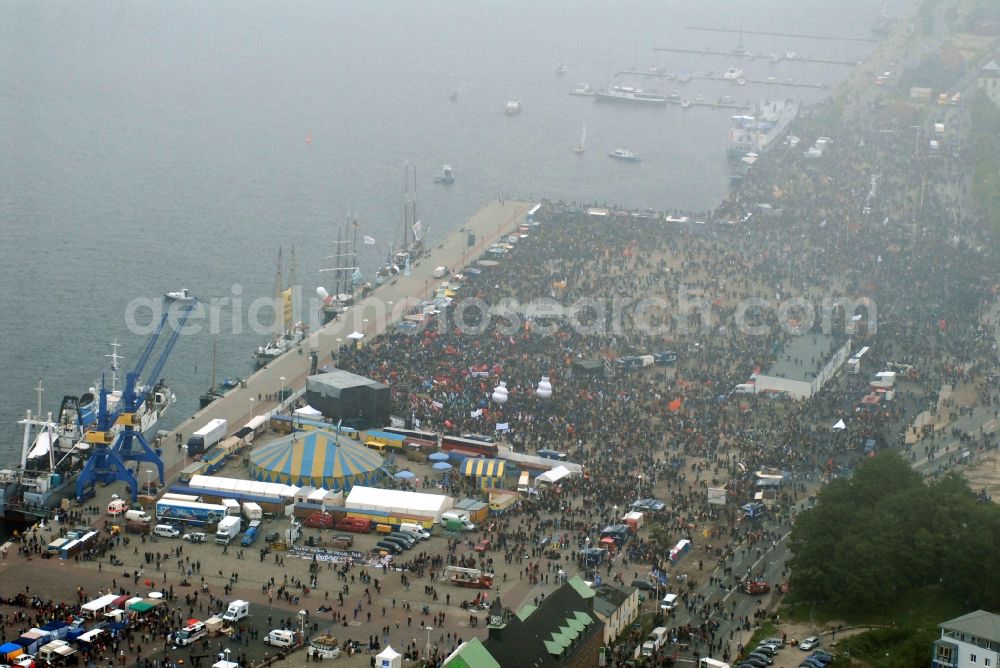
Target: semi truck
point(189, 512)
point(207, 436)
point(228, 529)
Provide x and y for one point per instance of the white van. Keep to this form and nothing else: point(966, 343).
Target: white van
point(138, 516)
point(166, 531)
point(460, 517)
point(237, 611)
point(189, 634)
point(744, 388)
point(280, 638)
point(440, 272)
point(415, 529)
point(669, 602)
point(117, 506)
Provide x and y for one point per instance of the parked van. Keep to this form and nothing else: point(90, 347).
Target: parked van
point(355, 524)
point(461, 518)
point(166, 531)
point(391, 547)
point(137, 516)
point(189, 634)
point(280, 638)
point(407, 538)
point(415, 529)
point(403, 543)
point(116, 507)
point(237, 611)
point(524, 482)
point(319, 520)
point(669, 602)
point(744, 388)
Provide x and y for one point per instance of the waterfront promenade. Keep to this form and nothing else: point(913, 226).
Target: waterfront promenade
point(371, 316)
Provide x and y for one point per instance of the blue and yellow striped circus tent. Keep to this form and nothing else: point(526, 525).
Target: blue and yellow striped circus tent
point(316, 459)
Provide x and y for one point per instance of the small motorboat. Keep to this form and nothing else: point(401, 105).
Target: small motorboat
point(182, 295)
point(513, 107)
point(447, 176)
point(561, 70)
point(626, 156)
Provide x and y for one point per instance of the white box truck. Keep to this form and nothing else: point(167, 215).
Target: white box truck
point(207, 436)
point(228, 529)
point(252, 511)
point(237, 610)
point(232, 506)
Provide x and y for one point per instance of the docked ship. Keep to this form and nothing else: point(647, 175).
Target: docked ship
point(286, 335)
point(629, 94)
point(759, 130)
point(54, 451)
point(346, 276)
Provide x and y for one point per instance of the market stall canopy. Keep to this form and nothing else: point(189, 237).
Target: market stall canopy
point(553, 476)
point(839, 426)
point(438, 457)
point(405, 475)
point(483, 468)
point(355, 335)
point(442, 466)
point(308, 411)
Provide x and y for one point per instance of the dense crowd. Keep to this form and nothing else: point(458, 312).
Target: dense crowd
point(877, 221)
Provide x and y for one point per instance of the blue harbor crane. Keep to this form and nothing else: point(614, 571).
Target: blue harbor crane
point(118, 437)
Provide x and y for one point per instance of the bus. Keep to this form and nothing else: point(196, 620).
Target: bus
point(469, 446)
point(552, 454)
point(428, 438)
point(854, 364)
point(386, 438)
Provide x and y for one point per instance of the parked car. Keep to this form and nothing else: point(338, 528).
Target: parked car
point(762, 657)
point(196, 537)
point(272, 537)
point(812, 642)
point(777, 642)
point(483, 546)
point(644, 585)
point(822, 655)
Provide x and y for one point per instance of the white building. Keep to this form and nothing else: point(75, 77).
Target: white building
point(398, 502)
point(617, 607)
point(969, 641)
point(988, 81)
point(804, 366)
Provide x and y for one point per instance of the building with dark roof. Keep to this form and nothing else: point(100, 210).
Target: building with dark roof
point(341, 395)
point(969, 641)
point(561, 631)
point(617, 607)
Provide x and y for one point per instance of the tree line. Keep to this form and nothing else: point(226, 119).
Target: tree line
point(885, 532)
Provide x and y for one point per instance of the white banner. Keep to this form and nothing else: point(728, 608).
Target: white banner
point(503, 426)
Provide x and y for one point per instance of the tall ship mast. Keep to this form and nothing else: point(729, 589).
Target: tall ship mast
point(286, 334)
point(344, 270)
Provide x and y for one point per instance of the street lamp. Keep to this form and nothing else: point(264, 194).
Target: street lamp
point(227, 654)
point(427, 650)
point(149, 481)
point(302, 622)
point(282, 379)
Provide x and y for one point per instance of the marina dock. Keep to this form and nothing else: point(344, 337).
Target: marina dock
point(765, 33)
point(753, 56)
point(705, 77)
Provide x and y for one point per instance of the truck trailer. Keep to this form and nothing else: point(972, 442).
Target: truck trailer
point(189, 512)
point(207, 436)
